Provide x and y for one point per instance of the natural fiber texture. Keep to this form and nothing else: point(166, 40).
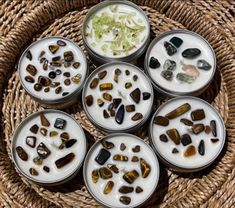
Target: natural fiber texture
point(22, 22)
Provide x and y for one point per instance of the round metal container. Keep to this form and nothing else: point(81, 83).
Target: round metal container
point(105, 59)
point(65, 101)
point(163, 158)
point(109, 138)
point(174, 93)
point(13, 152)
point(91, 76)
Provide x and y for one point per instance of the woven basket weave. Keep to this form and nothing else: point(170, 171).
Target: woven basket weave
point(23, 21)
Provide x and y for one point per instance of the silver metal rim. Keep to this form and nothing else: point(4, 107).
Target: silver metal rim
point(173, 93)
point(104, 59)
point(175, 166)
point(65, 98)
point(92, 149)
point(55, 182)
point(102, 67)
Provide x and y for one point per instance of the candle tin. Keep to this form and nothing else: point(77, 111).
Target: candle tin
point(180, 156)
point(100, 110)
point(103, 58)
point(122, 144)
point(47, 154)
point(174, 83)
point(52, 71)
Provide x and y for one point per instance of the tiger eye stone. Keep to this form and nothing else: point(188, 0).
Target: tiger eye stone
point(44, 120)
point(64, 160)
point(53, 48)
point(89, 100)
point(161, 121)
point(55, 58)
point(163, 138)
point(107, 144)
point(207, 129)
point(178, 111)
point(130, 176)
point(107, 96)
point(33, 172)
point(94, 83)
point(198, 115)
point(146, 95)
point(126, 189)
point(190, 151)
point(59, 123)
point(37, 87)
point(128, 85)
point(174, 135)
point(64, 136)
point(135, 95)
point(125, 200)
point(136, 148)
point(137, 116)
point(130, 108)
point(175, 151)
point(43, 151)
point(46, 89)
point(198, 128)
point(113, 167)
point(68, 56)
point(102, 74)
point(119, 157)
point(95, 175)
point(61, 43)
point(31, 69)
point(70, 143)
point(100, 102)
point(138, 189)
point(76, 65)
point(145, 168)
point(127, 72)
point(58, 90)
point(46, 169)
point(77, 78)
point(67, 82)
point(29, 79)
point(105, 173)
point(67, 74)
point(22, 153)
point(38, 160)
point(106, 86)
point(134, 159)
point(122, 146)
point(186, 122)
point(108, 187)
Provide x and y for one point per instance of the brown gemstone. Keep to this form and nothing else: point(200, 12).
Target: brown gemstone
point(64, 136)
point(89, 100)
point(119, 157)
point(198, 128)
point(120, 114)
point(65, 93)
point(45, 65)
point(135, 77)
point(44, 81)
point(67, 82)
point(31, 141)
point(55, 64)
point(76, 65)
point(105, 114)
point(29, 55)
point(178, 111)
point(106, 86)
point(125, 200)
point(214, 140)
point(122, 146)
point(33, 172)
point(126, 189)
point(213, 128)
point(145, 168)
point(186, 122)
point(107, 96)
point(108, 187)
point(198, 115)
point(163, 138)
point(68, 56)
point(43, 131)
point(56, 58)
point(127, 72)
point(64, 160)
point(95, 175)
point(113, 168)
point(201, 148)
point(100, 102)
point(44, 120)
point(136, 148)
point(42, 60)
point(46, 168)
point(128, 85)
point(146, 95)
point(175, 151)
point(161, 121)
point(137, 116)
point(190, 151)
point(135, 95)
point(37, 87)
point(117, 72)
point(38, 160)
point(61, 43)
point(107, 144)
point(41, 54)
point(94, 83)
point(43, 151)
point(207, 129)
point(102, 74)
point(47, 89)
point(58, 71)
point(54, 84)
point(174, 135)
point(58, 90)
point(53, 133)
point(130, 176)
point(53, 48)
point(70, 143)
point(186, 139)
point(31, 69)
point(134, 159)
point(29, 79)
point(77, 78)
point(138, 189)
point(66, 74)
point(22, 153)
point(102, 156)
point(34, 129)
point(130, 108)
point(105, 173)
point(67, 64)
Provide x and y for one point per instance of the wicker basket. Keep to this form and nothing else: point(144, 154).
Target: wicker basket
point(23, 21)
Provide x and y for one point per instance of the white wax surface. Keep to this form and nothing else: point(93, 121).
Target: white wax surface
point(42, 45)
point(147, 184)
point(123, 9)
point(211, 149)
point(144, 106)
point(79, 148)
point(189, 41)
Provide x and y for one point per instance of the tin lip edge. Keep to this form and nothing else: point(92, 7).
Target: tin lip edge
point(151, 137)
point(85, 164)
point(103, 128)
point(59, 100)
point(13, 153)
point(124, 58)
point(170, 32)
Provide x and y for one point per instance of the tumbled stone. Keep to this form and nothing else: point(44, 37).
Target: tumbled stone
point(163, 138)
point(120, 114)
point(113, 167)
point(186, 121)
point(58, 90)
point(42, 53)
point(43, 151)
point(29, 55)
point(175, 151)
point(125, 200)
point(102, 156)
point(61, 43)
point(186, 139)
point(33, 172)
point(146, 95)
point(190, 70)
point(29, 79)
point(136, 148)
point(44, 120)
point(201, 148)
point(95, 175)
point(128, 85)
point(102, 74)
point(107, 96)
point(59, 123)
point(135, 95)
point(176, 41)
point(22, 153)
point(43, 131)
point(207, 129)
point(70, 143)
point(135, 78)
point(89, 100)
point(46, 89)
point(56, 58)
point(34, 129)
point(68, 56)
point(122, 146)
point(119, 157)
point(31, 141)
point(169, 65)
point(126, 189)
point(46, 169)
point(38, 160)
point(106, 86)
point(105, 114)
point(67, 74)
point(154, 63)
point(198, 115)
point(130, 108)
point(183, 77)
point(203, 64)
point(127, 72)
point(174, 135)
point(55, 84)
point(198, 128)
point(130, 176)
point(37, 87)
point(178, 111)
point(167, 74)
point(52, 75)
point(44, 81)
point(105, 173)
point(191, 53)
point(170, 49)
point(67, 82)
point(190, 151)
point(107, 144)
point(213, 127)
point(214, 140)
point(145, 168)
point(161, 120)
point(53, 133)
point(31, 69)
point(137, 116)
point(100, 102)
point(108, 187)
point(94, 83)
point(138, 189)
point(77, 78)
point(53, 48)
point(76, 65)
point(64, 160)
point(134, 159)
point(64, 136)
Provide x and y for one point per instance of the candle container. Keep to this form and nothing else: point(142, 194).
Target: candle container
point(116, 31)
point(48, 147)
point(117, 97)
point(187, 134)
point(180, 62)
point(52, 71)
point(121, 170)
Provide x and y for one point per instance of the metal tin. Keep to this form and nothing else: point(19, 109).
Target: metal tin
point(13, 152)
point(172, 93)
point(104, 59)
point(163, 158)
point(95, 72)
point(65, 101)
point(95, 145)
